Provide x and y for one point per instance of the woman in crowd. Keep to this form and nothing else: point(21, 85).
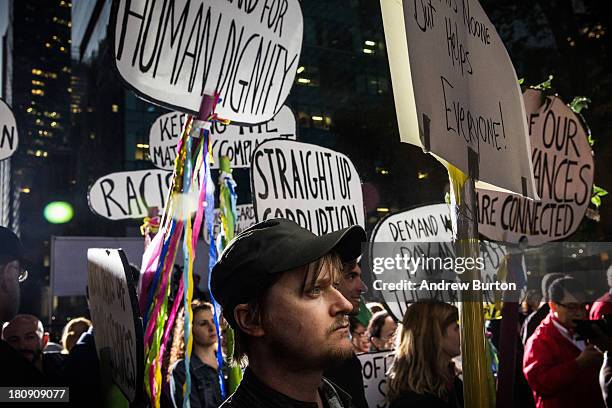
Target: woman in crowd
point(422, 373)
point(205, 389)
point(381, 331)
point(72, 333)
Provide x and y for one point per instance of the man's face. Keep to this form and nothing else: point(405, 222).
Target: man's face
point(360, 339)
point(26, 336)
point(351, 286)
point(9, 290)
point(204, 331)
point(569, 309)
point(307, 324)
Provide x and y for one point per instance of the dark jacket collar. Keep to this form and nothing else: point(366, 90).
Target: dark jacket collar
point(253, 393)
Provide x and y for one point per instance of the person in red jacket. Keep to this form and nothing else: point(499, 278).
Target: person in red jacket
point(603, 305)
point(562, 370)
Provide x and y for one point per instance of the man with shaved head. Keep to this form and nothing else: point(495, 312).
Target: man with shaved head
point(25, 333)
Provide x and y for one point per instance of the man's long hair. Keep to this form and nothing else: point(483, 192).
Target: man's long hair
point(420, 365)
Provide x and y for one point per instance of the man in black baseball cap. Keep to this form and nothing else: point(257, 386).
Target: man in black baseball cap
point(276, 282)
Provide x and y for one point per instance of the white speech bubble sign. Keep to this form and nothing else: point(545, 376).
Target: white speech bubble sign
point(173, 52)
point(129, 194)
point(238, 142)
point(431, 226)
point(9, 138)
point(314, 186)
point(564, 169)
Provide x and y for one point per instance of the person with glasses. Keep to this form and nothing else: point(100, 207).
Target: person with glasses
point(16, 369)
point(561, 368)
point(359, 336)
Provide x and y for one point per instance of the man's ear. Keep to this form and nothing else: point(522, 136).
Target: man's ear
point(248, 322)
point(44, 341)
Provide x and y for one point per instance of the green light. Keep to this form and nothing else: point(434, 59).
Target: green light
point(58, 212)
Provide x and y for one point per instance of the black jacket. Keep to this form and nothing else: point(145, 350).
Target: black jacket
point(347, 375)
point(252, 393)
point(414, 400)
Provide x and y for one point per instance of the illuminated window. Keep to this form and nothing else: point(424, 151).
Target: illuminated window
point(39, 83)
point(47, 45)
point(38, 92)
point(37, 71)
point(115, 108)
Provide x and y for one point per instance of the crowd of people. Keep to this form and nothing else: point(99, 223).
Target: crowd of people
point(295, 304)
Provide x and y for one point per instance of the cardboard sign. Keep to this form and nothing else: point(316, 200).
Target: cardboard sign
point(164, 135)
point(173, 52)
point(563, 168)
point(114, 313)
point(455, 88)
point(129, 194)
point(245, 218)
point(9, 139)
point(374, 367)
point(424, 232)
point(316, 187)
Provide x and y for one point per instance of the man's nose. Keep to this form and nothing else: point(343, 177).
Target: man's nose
point(364, 288)
point(340, 304)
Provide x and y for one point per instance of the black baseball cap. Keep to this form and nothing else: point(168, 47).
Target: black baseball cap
point(254, 257)
point(10, 246)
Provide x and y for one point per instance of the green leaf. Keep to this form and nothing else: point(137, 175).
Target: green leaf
point(591, 141)
point(596, 200)
point(546, 85)
point(598, 192)
point(579, 103)
point(521, 81)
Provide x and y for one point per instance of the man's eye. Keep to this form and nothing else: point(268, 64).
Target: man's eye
point(315, 291)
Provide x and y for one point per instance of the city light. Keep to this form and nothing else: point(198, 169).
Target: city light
point(422, 175)
point(303, 80)
point(300, 70)
point(370, 43)
point(368, 51)
point(58, 212)
point(317, 118)
point(26, 190)
point(382, 209)
point(142, 145)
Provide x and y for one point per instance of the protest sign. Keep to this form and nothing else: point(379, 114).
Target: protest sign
point(374, 367)
point(164, 135)
point(173, 52)
point(238, 142)
point(316, 187)
point(129, 194)
point(8, 128)
point(115, 317)
point(424, 235)
point(455, 88)
point(245, 217)
point(563, 168)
